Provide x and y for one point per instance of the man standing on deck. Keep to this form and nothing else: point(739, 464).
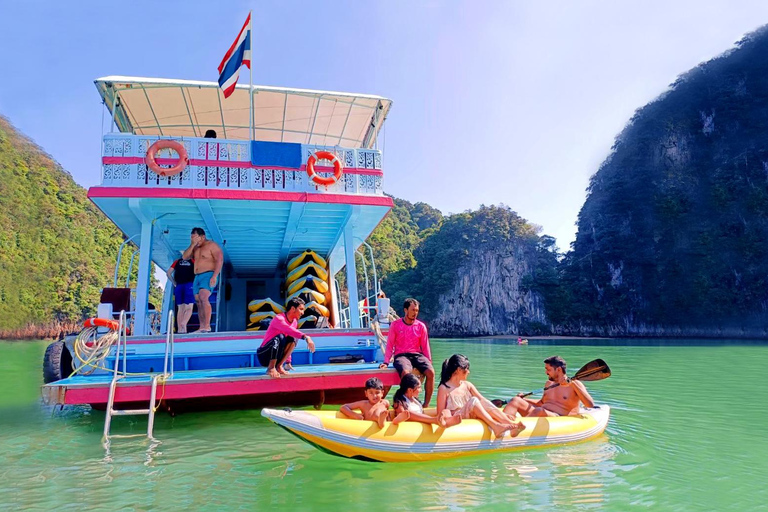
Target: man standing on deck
point(280, 339)
point(181, 275)
point(408, 340)
point(561, 395)
point(208, 262)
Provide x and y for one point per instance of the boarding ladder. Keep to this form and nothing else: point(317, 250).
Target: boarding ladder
point(118, 376)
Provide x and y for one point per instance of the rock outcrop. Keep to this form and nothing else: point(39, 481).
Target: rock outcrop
point(489, 297)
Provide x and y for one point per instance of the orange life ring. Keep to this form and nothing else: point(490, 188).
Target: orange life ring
point(324, 155)
point(151, 160)
point(102, 322)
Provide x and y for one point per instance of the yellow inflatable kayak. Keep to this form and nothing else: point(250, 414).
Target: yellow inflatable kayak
point(265, 305)
point(305, 257)
point(317, 309)
point(308, 269)
point(307, 322)
point(309, 293)
point(412, 441)
point(311, 282)
point(258, 317)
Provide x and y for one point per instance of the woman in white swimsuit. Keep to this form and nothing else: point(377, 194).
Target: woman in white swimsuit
point(462, 400)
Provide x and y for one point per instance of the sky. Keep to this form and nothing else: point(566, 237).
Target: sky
point(494, 101)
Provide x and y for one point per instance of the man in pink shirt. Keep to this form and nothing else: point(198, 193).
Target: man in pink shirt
point(280, 339)
point(408, 340)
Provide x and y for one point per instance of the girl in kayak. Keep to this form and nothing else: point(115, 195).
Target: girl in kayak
point(407, 405)
point(462, 400)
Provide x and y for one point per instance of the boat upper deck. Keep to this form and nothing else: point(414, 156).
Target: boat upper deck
point(250, 190)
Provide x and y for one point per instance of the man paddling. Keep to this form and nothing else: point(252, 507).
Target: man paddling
point(408, 340)
point(280, 339)
point(561, 395)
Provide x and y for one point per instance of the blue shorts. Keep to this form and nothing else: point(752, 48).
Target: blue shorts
point(203, 282)
point(184, 294)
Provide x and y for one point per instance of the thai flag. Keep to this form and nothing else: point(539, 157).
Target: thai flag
point(237, 55)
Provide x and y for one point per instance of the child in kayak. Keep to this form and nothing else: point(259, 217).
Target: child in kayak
point(373, 408)
point(407, 405)
point(462, 400)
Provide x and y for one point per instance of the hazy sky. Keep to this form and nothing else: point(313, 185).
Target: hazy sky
point(494, 102)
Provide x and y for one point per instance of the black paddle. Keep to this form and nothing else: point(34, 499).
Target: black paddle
point(593, 370)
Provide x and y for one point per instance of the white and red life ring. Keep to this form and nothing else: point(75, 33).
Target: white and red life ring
point(102, 322)
point(151, 158)
point(324, 155)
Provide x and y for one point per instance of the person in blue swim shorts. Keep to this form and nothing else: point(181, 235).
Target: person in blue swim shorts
point(181, 275)
point(208, 262)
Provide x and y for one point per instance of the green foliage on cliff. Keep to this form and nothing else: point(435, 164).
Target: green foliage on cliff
point(397, 236)
point(451, 244)
point(56, 249)
point(394, 241)
point(675, 227)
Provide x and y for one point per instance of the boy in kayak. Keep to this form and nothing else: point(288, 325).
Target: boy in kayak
point(373, 408)
point(561, 399)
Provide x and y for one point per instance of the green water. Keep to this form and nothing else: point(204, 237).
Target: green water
point(687, 432)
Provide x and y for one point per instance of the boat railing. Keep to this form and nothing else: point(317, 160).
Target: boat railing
point(227, 164)
point(367, 306)
point(169, 348)
point(122, 331)
point(119, 257)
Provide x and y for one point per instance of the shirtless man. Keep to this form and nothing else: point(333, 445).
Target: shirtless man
point(560, 400)
point(208, 262)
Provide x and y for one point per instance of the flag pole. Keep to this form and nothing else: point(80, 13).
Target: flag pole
point(250, 72)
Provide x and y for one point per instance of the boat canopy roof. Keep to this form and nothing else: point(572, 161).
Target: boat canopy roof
point(188, 108)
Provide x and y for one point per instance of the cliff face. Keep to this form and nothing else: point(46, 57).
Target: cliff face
point(480, 273)
point(673, 236)
point(489, 296)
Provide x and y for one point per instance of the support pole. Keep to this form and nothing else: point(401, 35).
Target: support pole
point(250, 81)
point(167, 304)
point(349, 255)
point(142, 283)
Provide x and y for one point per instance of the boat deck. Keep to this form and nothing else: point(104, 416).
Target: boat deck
point(306, 385)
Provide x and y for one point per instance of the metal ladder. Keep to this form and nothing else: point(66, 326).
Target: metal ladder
point(118, 376)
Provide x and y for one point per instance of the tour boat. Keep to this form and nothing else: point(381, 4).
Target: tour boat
point(303, 175)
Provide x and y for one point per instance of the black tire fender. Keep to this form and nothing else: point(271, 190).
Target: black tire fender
point(57, 362)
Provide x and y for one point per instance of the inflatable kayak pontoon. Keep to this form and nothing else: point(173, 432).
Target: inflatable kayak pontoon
point(409, 441)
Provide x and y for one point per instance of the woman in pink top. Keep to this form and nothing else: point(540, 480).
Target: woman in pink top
point(408, 340)
point(280, 339)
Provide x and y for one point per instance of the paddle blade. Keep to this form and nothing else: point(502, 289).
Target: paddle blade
point(498, 402)
point(593, 370)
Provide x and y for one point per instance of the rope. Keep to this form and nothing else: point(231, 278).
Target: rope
point(162, 378)
point(91, 349)
point(376, 328)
